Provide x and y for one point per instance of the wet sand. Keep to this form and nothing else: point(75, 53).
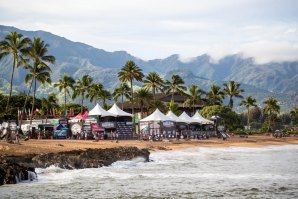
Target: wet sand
point(34, 146)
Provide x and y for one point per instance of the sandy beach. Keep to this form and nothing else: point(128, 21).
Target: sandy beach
point(52, 146)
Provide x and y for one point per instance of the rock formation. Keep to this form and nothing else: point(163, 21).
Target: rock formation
point(16, 168)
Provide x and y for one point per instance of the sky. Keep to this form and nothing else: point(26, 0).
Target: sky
point(264, 29)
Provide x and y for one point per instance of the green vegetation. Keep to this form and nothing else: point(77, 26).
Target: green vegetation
point(219, 100)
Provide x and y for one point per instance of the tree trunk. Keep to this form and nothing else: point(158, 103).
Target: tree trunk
point(231, 102)
point(193, 107)
point(27, 96)
point(64, 101)
point(33, 101)
point(172, 99)
point(83, 94)
point(153, 92)
point(132, 108)
point(122, 101)
point(11, 80)
point(248, 118)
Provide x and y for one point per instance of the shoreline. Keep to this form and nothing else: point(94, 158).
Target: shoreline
point(55, 146)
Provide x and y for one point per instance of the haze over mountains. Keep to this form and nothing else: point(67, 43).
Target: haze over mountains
point(272, 79)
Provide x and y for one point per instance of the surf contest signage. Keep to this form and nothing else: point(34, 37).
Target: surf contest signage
point(168, 124)
point(76, 128)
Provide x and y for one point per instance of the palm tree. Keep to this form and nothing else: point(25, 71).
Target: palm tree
point(81, 87)
point(176, 85)
point(215, 95)
point(194, 96)
point(130, 72)
point(155, 82)
point(16, 45)
point(122, 91)
point(294, 115)
point(38, 53)
point(271, 109)
point(94, 92)
point(65, 84)
point(248, 102)
point(232, 90)
point(143, 97)
point(40, 73)
point(105, 95)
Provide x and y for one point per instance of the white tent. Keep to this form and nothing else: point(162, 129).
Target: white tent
point(156, 116)
point(98, 110)
point(118, 112)
point(187, 119)
point(174, 117)
point(199, 117)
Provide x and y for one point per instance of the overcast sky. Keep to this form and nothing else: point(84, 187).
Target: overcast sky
point(264, 29)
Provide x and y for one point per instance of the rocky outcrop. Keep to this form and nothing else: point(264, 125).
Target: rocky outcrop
point(90, 158)
point(11, 173)
point(15, 168)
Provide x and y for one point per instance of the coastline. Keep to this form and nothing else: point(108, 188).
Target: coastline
point(55, 146)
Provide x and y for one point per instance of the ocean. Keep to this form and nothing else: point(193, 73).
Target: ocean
point(230, 172)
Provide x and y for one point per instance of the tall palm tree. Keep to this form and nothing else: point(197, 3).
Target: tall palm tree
point(65, 84)
point(121, 91)
point(94, 92)
point(155, 82)
point(194, 96)
point(82, 87)
point(40, 73)
point(175, 85)
point(143, 97)
point(38, 53)
point(248, 102)
point(16, 45)
point(271, 109)
point(215, 95)
point(232, 90)
point(130, 72)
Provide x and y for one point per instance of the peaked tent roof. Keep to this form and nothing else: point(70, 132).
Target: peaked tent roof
point(174, 117)
point(98, 110)
point(198, 116)
point(118, 112)
point(187, 119)
point(156, 116)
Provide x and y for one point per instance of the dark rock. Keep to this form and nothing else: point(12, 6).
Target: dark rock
point(13, 168)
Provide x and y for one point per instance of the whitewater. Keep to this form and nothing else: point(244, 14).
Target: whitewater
point(230, 172)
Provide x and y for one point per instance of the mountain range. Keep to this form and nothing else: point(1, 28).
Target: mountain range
point(259, 80)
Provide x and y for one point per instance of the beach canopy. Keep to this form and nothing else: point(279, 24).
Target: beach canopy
point(99, 111)
point(187, 119)
point(156, 116)
point(118, 112)
point(61, 127)
point(199, 117)
point(81, 116)
point(174, 117)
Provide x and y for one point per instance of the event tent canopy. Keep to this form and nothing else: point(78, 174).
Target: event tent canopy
point(99, 111)
point(118, 112)
point(187, 119)
point(174, 117)
point(81, 116)
point(156, 116)
point(199, 117)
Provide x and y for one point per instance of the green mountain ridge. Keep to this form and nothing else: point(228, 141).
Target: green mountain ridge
point(77, 59)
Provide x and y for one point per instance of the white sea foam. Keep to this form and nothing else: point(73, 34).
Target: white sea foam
point(230, 172)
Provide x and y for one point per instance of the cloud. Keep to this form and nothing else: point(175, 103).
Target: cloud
point(157, 29)
point(267, 51)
